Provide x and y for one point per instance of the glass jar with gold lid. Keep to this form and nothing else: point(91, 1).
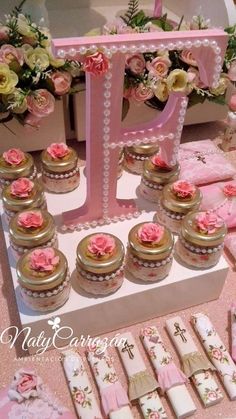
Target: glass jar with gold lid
point(60, 170)
point(32, 228)
point(201, 239)
point(149, 255)
point(44, 279)
point(156, 174)
point(22, 194)
point(99, 263)
point(178, 199)
point(136, 155)
point(14, 163)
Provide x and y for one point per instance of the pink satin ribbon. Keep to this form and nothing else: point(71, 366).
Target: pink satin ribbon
point(170, 376)
point(157, 8)
point(113, 397)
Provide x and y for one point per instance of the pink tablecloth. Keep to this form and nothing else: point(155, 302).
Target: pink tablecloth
point(49, 366)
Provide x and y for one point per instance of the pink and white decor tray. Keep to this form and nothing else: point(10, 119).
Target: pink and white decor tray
point(134, 301)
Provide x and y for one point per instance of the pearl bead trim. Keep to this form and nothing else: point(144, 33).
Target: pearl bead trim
point(99, 278)
point(172, 214)
point(23, 250)
point(152, 185)
point(61, 176)
point(4, 182)
point(136, 156)
point(201, 250)
point(55, 291)
point(109, 50)
point(153, 264)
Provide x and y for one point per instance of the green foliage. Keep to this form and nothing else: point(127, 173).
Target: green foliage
point(131, 12)
point(162, 23)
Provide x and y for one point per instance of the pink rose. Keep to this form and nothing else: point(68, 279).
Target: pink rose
point(212, 395)
point(30, 219)
point(96, 64)
point(154, 415)
point(13, 156)
point(188, 58)
point(61, 81)
point(41, 103)
point(79, 396)
point(232, 71)
point(159, 66)
point(217, 354)
point(21, 187)
point(208, 222)
point(4, 31)
point(8, 53)
point(157, 161)
point(26, 384)
point(43, 260)
point(148, 331)
point(230, 190)
point(194, 78)
point(101, 244)
point(232, 103)
point(58, 150)
point(142, 93)
point(150, 233)
point(32, 122)
point(183, 189)
point(135, 63)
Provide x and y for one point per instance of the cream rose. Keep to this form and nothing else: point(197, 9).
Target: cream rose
point(161, 91)
point(36, 57)
point(23, 26)
point(8, 79)
point(177, 81)
point(221, 87)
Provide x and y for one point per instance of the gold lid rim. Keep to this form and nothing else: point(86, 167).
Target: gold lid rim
point(172, 203)
point(143, 149)
point(25, 169)
point(16, 204)
point(68, 163)
point(160, 176)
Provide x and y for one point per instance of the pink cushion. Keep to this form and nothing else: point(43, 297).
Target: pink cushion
point(202, 162)
point(214, 198)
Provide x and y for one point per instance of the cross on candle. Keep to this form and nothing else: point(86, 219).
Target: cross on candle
point(180, 332)
point(128, 348)
point(200, 157)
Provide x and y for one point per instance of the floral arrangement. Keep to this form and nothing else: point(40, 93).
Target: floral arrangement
point(151, 77)
point(31, 78)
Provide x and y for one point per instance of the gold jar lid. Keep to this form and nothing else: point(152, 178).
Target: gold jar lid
point(173, 203)
point(144, 149)
point(147, 251)
point(38, 280)
point(103, 264)
point(191, 233)
point(60, 165)
point(33, 236)
point(159, 175)
point(16, 204)
point(10, 172)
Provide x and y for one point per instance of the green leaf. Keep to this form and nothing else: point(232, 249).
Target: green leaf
point(194, 98)
point(220, 100)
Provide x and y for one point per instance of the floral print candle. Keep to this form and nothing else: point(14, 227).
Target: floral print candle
point(149, 255)
point(14, 164)
point(32, 228)
point(60, 171)
point(135, 156)
point(156, 174)
point(22, 194)
point(201, 239)
point(44, 279)
point(100, 263)
point(178, 199)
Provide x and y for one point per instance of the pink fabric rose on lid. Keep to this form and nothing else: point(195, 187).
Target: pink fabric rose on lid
point(41, 103)
point(96, 64)
point(136, 63)
point(159, 67)
point(230, 190)
point(183, 189)
point(58, 150)
point(21, 187)
point(159, 162)
point(43, 260)
point(13, 156)
point(151, 233)
point(61, 82)
point(30, 219)
point(208, 223)
point(101, 244)
point(26, 384)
